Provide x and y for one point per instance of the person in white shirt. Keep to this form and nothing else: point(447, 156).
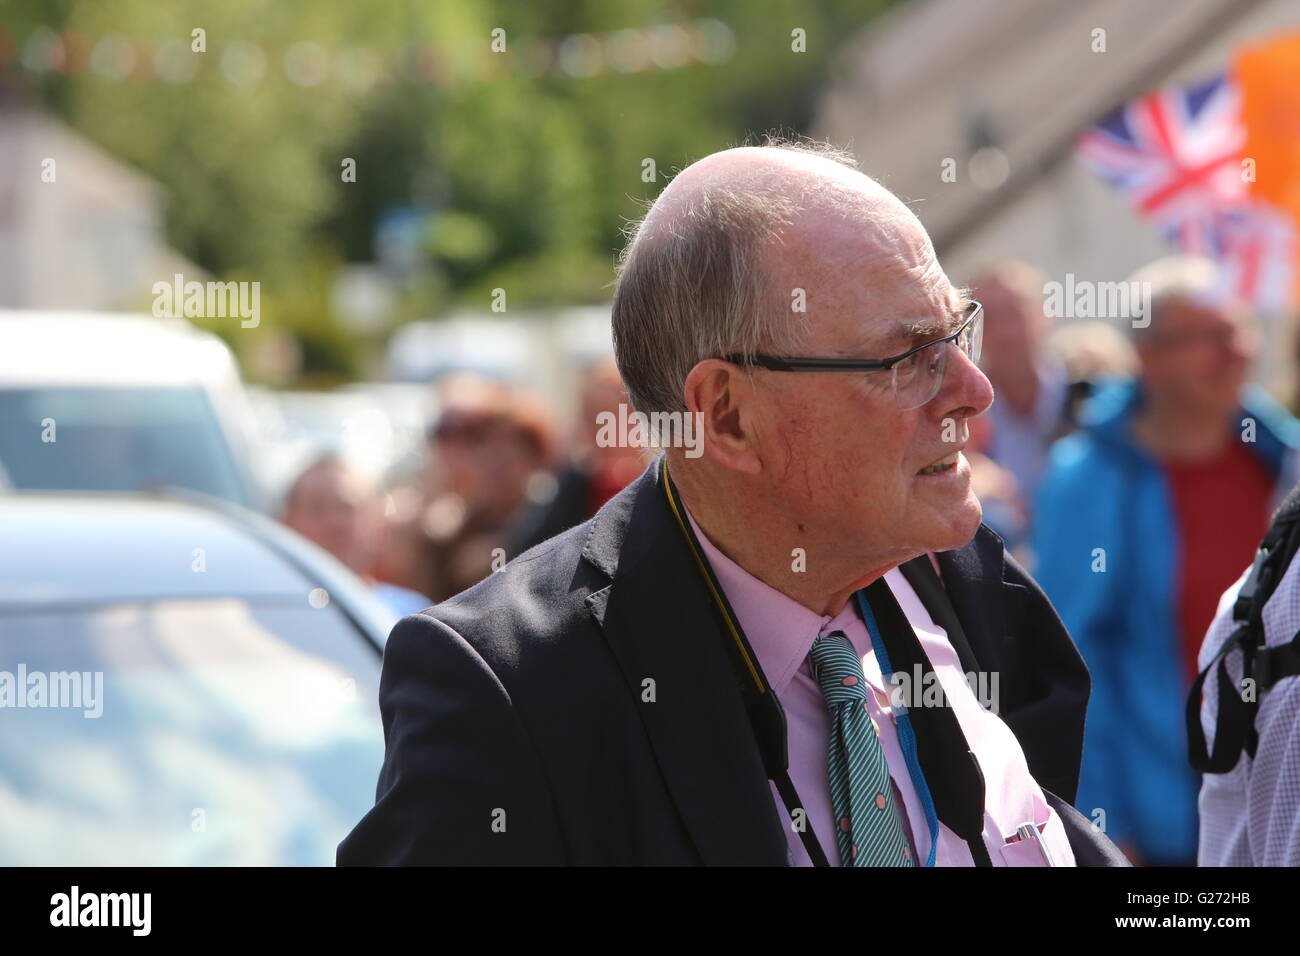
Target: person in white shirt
point(1250, 816)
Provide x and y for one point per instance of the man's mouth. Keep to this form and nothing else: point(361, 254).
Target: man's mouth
point(942, 465)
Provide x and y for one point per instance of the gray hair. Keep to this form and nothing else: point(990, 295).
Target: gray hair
point(697, 290)
point(1178, 278)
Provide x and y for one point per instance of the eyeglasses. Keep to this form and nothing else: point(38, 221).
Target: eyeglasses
point(917, 373)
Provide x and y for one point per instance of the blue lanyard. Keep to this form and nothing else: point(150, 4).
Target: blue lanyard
point(906, 736)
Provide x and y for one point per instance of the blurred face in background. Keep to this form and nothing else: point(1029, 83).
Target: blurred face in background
point(486, 455)
point(1197, 356)
point(458, 442)
point(602, 393)
point(1014, 324)
point(511, 454)
point(333, 507)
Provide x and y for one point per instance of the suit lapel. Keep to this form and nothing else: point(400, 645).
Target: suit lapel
point(973, 580)
point(661, 626)
point(1042, 683)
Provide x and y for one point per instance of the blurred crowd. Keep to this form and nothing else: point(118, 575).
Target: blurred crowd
point(497, 475)
point(1135, 472)
point(1132, 469)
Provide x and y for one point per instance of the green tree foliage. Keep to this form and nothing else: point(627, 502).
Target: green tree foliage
point(518, 177)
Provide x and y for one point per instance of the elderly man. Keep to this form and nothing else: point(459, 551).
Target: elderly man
point(701, 673)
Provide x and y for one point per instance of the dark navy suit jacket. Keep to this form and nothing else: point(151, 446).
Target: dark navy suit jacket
point(520, 730)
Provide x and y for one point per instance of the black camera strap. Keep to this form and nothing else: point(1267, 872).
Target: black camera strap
point(766, 715)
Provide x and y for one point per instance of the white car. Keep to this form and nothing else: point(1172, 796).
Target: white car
point(182, 682)
point(104, 402)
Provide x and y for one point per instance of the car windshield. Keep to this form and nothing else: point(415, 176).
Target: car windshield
point(194, 732)
point(115, 439)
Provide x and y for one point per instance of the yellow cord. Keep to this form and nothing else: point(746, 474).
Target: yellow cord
point(708, 580)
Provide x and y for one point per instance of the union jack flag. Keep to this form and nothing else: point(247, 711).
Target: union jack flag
point(1177, 155)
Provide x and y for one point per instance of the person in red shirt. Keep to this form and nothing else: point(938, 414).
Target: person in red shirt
point(1147, 515)
point(1194, 365)
point(1219, 532)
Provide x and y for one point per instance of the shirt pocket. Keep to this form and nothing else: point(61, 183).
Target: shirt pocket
point(1030, 852)
point(1023, 853)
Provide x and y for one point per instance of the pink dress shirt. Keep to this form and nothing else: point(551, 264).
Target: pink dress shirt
point(781, 632)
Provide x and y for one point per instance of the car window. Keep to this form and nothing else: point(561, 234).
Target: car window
point(196, 732)
point(116, 439)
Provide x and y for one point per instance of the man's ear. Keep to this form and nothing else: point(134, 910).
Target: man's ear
point(720, 398)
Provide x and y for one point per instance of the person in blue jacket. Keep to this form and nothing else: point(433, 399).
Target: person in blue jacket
point(1146, 515)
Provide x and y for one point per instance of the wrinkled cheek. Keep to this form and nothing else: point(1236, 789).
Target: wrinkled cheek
point(801, 445)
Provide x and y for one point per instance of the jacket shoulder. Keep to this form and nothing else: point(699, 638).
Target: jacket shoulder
point(456, 755)
point(533, 605)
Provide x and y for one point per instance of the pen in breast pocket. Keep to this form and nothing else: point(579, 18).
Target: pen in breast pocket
point(1027, 831)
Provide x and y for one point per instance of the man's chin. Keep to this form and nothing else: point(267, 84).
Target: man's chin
point(960, 526)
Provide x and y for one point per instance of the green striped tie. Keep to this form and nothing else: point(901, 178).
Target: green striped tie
point(868, 827)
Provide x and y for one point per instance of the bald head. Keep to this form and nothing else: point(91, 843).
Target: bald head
point(715, 266)
point(805, 181)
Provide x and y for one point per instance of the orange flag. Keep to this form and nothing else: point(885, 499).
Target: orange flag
point(1268, 74)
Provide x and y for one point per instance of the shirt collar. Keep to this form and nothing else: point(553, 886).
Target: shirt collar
point(779, 629)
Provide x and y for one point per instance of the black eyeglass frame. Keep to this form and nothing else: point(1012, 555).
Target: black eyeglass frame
point(778, 364)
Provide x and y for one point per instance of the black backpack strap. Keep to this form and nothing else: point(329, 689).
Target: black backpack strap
point(1235, 725)
point(1272, 664)
point(1236, 716)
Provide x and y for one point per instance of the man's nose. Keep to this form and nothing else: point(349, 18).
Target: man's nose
point(965, 387)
